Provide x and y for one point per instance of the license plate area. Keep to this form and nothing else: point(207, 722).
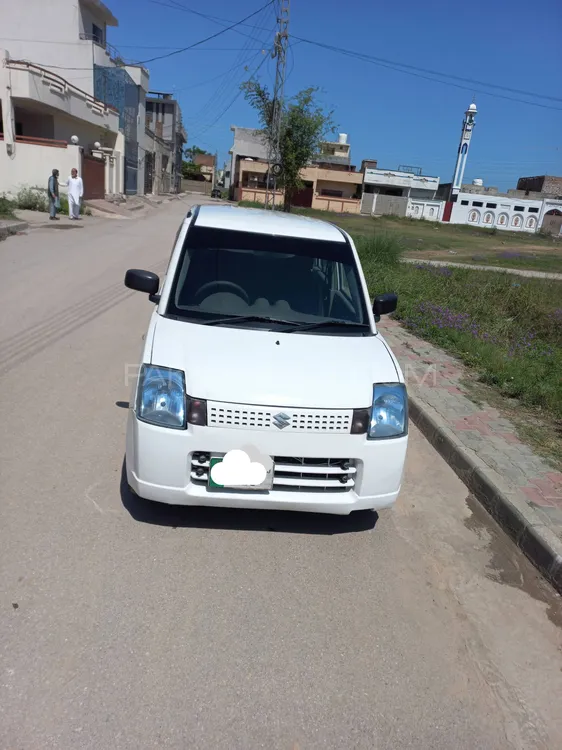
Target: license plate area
point(264, 486)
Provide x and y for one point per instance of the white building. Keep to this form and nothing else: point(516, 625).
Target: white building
point(499, 211)
point(400, 193)
point(400, 183)
point(477, 205)
point(74, 34)
point(67, 85)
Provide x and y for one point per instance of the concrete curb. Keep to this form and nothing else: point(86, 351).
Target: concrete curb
point(526, 272)
point(8, 228)
point(507, 505)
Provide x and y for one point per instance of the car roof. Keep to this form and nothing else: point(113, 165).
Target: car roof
point(240, 219)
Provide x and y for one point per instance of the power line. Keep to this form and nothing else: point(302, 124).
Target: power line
point(224, 89)
point(121, 46)
point(209, 80)
point(225, 110)
point(431, 72)
point(173, 5)
point(411, 71)
point(207, 39)
point(395, 65)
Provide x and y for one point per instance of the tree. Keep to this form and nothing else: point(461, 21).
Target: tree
point(191, 171)
point(192, 152)
point(304, 125)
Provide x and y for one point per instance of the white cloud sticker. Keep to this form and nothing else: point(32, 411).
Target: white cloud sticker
point(236, 469)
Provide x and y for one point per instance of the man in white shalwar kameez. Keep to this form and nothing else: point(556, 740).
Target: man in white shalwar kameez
point(75, 188)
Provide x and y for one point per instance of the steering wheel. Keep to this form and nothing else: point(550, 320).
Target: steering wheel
point(236, 288)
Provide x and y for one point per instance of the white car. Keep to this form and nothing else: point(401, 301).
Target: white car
point(263, 349)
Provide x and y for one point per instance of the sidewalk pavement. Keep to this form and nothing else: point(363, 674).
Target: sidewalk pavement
point(11, 226)
point(498, 269)
point(520, 490)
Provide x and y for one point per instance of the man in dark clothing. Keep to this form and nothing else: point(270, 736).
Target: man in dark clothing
point(53, 190)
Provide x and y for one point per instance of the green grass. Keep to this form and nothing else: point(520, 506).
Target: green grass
point(256, 204)
point(526, 261)
point(454, 242)
point(508, 330)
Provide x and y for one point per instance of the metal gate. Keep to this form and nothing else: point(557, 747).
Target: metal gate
point(93, 177)
point(303, 197)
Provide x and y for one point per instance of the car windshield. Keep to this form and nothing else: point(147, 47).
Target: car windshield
point(227, 277)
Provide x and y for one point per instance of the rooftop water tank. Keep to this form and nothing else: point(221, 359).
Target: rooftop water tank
point(342, 138)
point(478, 182)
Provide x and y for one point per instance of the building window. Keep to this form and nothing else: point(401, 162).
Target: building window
point(331, 193)
point(97, 34)
point(503, 220)
point(491, 205)
point(533, 210)
point(477, 203)
point(474, 217)
point(464, 203)
point(489, 218)
point(516, 221)
point(531, 222)
point(518, 208)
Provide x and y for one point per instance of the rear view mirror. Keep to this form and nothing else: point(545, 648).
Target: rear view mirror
point(143, 281)
point(385, 304)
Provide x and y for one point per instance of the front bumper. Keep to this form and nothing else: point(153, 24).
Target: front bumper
point(159, 467)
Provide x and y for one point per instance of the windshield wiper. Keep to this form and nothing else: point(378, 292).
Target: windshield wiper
point(325, 324)
point(246, 318)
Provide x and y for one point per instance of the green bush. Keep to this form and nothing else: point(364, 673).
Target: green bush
point(37, 199)
point(7, 207)
point(32, 199)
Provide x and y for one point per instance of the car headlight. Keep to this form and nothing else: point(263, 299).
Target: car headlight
point(389, 414)
point(161, 397)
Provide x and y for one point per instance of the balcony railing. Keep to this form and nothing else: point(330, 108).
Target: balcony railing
point(112, 51)
point(38, 141)
point(60, 84)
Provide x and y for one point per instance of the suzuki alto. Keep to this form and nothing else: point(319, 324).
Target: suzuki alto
point(264, 381)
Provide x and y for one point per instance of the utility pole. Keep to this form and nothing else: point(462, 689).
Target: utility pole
point(279, 54)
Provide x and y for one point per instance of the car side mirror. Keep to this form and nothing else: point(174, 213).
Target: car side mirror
point(385, 304)
point(143, 281)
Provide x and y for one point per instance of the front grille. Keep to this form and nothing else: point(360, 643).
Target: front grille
point(294, 474)
point(244, 417)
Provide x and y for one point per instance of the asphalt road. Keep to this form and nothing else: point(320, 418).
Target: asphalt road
point(125, 627)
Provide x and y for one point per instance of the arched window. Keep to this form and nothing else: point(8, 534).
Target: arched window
point(488, 218)
point(531, 223)
point(503, 220)
point(474, 217)
point(516, 221)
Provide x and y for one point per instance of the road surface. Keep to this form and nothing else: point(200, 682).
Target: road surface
point(128, 627)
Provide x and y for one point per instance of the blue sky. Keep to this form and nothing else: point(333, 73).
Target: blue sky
point(388, 115)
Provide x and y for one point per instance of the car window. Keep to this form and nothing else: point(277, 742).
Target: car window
point(227, 273)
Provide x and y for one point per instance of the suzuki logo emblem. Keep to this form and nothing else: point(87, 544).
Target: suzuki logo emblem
point(281, 420)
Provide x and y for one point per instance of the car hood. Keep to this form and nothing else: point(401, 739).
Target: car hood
point(250, 366)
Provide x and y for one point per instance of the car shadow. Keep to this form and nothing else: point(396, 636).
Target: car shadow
point(281, 521)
